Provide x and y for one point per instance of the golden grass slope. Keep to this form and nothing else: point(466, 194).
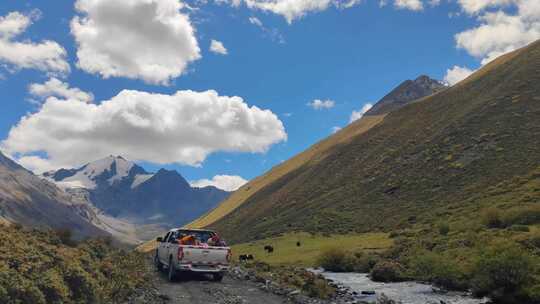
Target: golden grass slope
point(314, 153)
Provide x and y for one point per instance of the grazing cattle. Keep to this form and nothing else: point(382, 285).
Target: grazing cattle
point(245, 258)
point(269, 249)
point(298, 244)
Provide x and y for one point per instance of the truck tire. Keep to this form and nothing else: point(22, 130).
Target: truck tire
point(172, 272)
point(218, 277)
point(157, 263)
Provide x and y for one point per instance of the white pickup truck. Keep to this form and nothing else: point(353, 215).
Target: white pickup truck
point(194, 255)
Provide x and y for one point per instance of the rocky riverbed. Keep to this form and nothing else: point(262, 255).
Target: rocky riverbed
point(401, 292)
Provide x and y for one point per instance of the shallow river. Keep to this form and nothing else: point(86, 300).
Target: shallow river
point(406, 292)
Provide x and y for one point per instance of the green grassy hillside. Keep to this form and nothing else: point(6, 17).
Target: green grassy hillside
point(441, 158)
point(314, 154)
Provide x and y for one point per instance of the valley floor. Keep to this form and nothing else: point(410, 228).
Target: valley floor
point(287, 251)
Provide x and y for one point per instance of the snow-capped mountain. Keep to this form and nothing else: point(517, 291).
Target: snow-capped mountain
point(103, 172)
point(123, 190)
point(29, 200)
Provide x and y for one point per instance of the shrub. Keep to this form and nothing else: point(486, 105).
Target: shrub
point(534, 240)
point(37, 267)
point(337, 260)
point(52, 285)
point(393, 234)
point(492, 218)
point(504, 273)
point(438, 269)
point(444, 228)
point(364, 262)
point(529, 215)
point(318, 288)
point(387, 271)
point(521, 228)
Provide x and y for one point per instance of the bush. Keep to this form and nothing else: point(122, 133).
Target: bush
point(387, 271)
point(492, 218)
point(364, 262)
point(521, 228)
point(337, 260)
point(444, 228)
point(529, 215)
point(38, 267)
point(534, 240)
point(66, 236)
point(438, 269)
point(504, 273)
point(318, 288)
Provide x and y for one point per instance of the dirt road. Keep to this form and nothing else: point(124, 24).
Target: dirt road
point(196, 289)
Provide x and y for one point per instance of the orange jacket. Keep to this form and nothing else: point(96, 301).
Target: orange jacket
point(188, 240)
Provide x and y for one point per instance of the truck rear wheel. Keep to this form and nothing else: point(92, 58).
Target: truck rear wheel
point(218, 277)
point(157, 263)
point(172, 272)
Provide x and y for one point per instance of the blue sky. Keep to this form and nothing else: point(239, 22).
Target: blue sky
point(352, 56)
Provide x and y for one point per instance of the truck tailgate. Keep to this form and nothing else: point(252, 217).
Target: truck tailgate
point(198, 255)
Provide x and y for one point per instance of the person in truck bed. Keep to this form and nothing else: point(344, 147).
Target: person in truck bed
point(216, 241)
point(189, 240)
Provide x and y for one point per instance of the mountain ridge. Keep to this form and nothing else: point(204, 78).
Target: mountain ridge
point(27, 199)
point(408, 90)
point(123, 190)
point(428, 155)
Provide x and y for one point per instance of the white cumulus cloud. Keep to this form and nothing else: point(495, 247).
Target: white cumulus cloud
point(223, 182)
point(413, 5)
point(504, 26)
point(355, 115)
point(150, 40)
point(318, 104)
point(57, 88)
point(501, 32)
point(294, 9)
point(218, 47)
point(475, 6)
point(182, 128)
point(457, 74)
point(46, 55)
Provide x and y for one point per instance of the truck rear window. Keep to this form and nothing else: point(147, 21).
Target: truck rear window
point(201, 237)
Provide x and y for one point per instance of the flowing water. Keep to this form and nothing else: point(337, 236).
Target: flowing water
point(405, 292)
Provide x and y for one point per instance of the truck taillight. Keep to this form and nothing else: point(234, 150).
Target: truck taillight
point(229, 255)
point(180, 253)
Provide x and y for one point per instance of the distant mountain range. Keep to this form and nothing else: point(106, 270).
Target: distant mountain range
point(124, 190)
point(449, 155)
point(110, 196)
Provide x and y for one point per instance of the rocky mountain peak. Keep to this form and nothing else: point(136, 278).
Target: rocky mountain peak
point(108, 170)
point(408, 91)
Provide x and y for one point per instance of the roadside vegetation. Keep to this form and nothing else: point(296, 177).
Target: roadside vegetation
point(310, 284)
point(50, 267)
